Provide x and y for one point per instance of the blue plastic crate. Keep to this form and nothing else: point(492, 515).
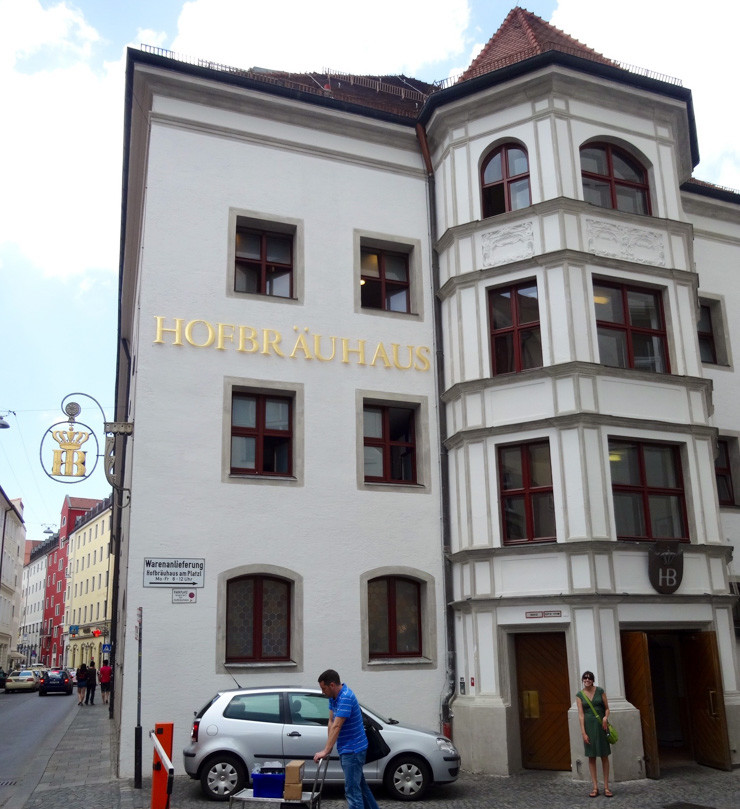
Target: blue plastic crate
point(268, 784)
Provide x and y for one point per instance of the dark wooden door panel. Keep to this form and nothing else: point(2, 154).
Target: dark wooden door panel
point(639, 691)
point(706, 700)
point(544, 700)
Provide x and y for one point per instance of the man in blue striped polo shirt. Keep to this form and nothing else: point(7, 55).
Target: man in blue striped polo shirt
point(347, 731)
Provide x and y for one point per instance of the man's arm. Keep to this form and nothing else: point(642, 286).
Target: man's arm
point(335, 725)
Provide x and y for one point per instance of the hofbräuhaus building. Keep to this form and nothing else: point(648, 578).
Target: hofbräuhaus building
point(433, 385)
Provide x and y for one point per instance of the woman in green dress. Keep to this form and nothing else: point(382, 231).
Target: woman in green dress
point(594, 729)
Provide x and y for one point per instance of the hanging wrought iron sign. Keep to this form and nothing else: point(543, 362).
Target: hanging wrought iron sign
point(70, 450)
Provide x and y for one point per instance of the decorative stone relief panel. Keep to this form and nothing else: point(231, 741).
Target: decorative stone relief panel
point(507, 244)
point(626, 242)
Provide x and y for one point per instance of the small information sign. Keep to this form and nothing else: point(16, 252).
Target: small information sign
point(174, 572)
point(184, 596)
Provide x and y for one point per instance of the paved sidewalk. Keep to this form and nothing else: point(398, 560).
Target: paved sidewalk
point(79, 773)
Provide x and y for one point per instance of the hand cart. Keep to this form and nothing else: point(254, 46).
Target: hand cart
point(311, 800)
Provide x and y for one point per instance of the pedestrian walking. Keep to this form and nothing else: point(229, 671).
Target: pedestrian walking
point(105, 674)
point(81, 678)
point(92, 683)
point(347, 731)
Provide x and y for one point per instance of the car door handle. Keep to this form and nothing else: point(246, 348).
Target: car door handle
point(294, 733)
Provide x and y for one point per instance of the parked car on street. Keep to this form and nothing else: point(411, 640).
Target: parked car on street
point(54, 681)
point(21, 680)
point(244, 728)
point(2, 678)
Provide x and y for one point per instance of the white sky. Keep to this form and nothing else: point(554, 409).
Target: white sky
point(61, 92)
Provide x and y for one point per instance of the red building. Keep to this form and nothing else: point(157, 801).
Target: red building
point(52, 633)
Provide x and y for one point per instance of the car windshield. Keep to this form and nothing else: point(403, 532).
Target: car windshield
point(25, 674)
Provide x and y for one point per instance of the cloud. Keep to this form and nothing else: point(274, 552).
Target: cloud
point(695, 43)
point(29, 28)
point(385, 36)
point(62, 154)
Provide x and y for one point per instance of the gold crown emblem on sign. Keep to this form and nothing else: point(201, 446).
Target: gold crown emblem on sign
point(70, 439)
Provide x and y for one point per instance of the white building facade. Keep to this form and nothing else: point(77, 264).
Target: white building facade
point(297, 465)
point(12, 544)
point(424, 377)
point(32, 608)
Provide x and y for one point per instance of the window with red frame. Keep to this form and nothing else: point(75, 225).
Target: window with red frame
point(258, 610)
point(384, 280)
point(389, 444)
point(261, 434)
point(505, 180)
point(614, 179)
point(705, 329)
point(631, 327)
point(648, 491)
point(264, 262)
point(394, 617)
point(514, 317)
point(527, 503)
point(723, 473)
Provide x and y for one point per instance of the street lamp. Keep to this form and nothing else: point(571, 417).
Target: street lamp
point(4, 424)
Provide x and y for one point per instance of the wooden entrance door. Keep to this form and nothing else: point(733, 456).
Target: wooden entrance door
point(705, 699)
point(544, 700)
point(639, 691)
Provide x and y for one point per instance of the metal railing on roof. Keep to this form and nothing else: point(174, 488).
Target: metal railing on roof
point(520, 56)
point(285, 77)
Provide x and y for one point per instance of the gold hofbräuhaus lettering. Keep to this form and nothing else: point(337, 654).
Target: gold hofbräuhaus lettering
point(245, 339)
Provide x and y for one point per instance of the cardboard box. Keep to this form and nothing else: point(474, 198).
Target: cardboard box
point(292, 792)
point(294, 772)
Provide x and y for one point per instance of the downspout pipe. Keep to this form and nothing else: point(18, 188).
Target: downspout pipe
point(449, 689)
point(116, 515)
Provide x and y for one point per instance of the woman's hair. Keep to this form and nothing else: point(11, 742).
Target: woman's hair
point(588, 674)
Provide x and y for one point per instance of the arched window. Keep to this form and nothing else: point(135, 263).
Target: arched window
point(394, 617)
point(614, 179)
point(505, 180)
point(257, 619)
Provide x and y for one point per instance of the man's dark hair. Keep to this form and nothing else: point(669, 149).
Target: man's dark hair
point(330, 676)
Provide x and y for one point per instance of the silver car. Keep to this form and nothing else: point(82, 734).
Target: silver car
point(241, 729)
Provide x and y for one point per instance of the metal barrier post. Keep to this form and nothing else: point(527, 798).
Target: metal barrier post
point(163, 772)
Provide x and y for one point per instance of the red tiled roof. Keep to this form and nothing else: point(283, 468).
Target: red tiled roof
point(522, 35)
point(81, 502)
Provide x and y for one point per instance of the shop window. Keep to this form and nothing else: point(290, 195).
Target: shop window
point(614, 179)
point(514, 319)
point(648, 491)
point(261, 434)
point(384, 280)
point(263, 262)
point(258, 618)
point(527, 501)
point(505, 180)
point(394, 617)
point(723, 471)
point(389, 435)
point(631, 327)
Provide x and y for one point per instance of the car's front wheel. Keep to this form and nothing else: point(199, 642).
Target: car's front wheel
point(407, 778)
point(222, 776)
